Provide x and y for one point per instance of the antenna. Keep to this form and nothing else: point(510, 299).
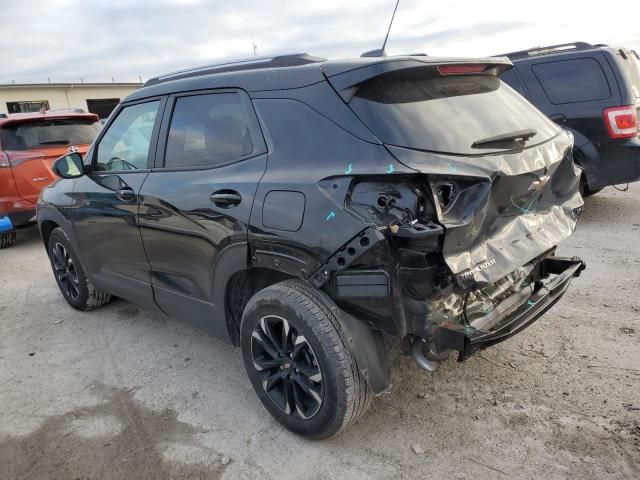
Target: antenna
point(381, 52)
point(255, 47)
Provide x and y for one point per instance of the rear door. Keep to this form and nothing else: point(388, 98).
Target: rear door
point(33, 145)
point(106, 214)
point(196, 203)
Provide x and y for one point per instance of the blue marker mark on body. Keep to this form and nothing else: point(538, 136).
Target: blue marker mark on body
point(331, 216)
point(348, 170)
point(453, 168)
point(390, 169)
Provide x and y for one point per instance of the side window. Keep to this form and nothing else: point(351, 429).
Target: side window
point(510, 77)
point(209, 129)
point(125, 146)
point(570, 81)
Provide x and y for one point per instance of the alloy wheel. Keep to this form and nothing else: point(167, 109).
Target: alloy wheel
point(288, 368)
point(65, 272)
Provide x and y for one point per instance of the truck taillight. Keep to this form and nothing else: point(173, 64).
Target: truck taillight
point(622, 122)
point(4, 160)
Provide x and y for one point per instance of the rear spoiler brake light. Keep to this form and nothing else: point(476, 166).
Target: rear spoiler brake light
point(461, 69)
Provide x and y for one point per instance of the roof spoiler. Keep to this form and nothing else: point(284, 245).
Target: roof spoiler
point(345, 81)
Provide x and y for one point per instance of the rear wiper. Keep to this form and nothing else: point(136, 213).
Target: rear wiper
point(505, 138)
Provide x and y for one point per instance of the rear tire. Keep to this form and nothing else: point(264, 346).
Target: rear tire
point(585, 191)
point(7, 239)
point(74, 285)
point(298, 362)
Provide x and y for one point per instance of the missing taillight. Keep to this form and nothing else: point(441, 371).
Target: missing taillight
point(446, 194)
point(621, 122)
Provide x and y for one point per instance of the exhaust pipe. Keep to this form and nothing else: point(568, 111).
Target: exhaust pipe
point(422, 361)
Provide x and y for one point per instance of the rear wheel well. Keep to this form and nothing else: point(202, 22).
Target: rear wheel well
point(241, 287)
point(46, 228)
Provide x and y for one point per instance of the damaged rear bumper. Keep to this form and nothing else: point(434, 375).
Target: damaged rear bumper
point(467, 340)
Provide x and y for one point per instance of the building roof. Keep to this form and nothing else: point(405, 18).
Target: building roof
point(69, 85)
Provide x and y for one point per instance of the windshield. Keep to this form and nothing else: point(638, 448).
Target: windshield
point(48, 133)
point(415, 109)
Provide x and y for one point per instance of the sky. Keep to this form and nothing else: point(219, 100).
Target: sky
point(124, 40)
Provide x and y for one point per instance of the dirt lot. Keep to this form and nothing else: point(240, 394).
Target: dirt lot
point(120, 393)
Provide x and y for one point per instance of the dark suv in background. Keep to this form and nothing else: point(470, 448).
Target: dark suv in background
point(594, 91)
point(300, 208)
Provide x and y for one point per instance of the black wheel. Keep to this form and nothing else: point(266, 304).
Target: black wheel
point(298, 363)
point(67, 270)
point(585, 191)
point(7, 239)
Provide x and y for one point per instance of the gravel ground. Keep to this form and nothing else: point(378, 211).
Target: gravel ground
point(121, 393)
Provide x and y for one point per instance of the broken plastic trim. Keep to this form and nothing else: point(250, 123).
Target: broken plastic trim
point(344, 257)
point(468, 340)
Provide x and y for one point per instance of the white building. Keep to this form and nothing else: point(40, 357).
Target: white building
point(98, 98)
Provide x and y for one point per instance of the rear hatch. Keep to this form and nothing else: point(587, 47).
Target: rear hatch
point(630, 62)
point(33, 144)
point(500, 171)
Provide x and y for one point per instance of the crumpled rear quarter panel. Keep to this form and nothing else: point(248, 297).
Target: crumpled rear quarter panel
point(499, 220)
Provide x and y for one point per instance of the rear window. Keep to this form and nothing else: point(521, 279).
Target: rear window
point(571, 81)
point(48, 133)
point(415, 109)
point(631, 65)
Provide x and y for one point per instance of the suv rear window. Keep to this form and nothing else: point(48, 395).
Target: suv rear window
point(571, 81)
point(48, 133)
point(415, 109)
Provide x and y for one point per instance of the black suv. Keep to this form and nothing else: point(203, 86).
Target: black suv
point(302, 208)
point(594, 91)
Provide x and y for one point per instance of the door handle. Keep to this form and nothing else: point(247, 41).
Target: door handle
point(226, 198)
point(126, 194)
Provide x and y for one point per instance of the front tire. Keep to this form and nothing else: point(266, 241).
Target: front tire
point(298, 362)
point(76, 288)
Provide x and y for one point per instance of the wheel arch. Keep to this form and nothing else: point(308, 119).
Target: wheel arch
point(240, 287)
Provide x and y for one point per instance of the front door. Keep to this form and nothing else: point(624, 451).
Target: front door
point(106, 221)
point(195, 206)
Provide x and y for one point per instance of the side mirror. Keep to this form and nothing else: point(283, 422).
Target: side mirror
point(69, 166)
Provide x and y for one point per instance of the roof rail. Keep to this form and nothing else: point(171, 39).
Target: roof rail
point(536, 51)
point(251, 63)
